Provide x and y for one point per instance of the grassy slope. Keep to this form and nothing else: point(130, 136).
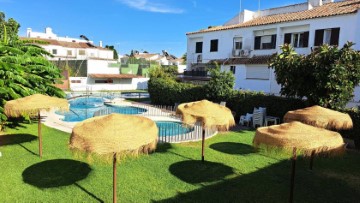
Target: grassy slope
point(235, 173)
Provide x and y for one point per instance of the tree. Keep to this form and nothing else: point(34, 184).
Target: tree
point(220, 85)
point(326, 77)
point(23, 69)
point(184, 57)
point(111, 47)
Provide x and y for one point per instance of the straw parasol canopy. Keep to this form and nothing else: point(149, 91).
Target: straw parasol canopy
point(115, 135)
point(33, 104)
point(320, 117)
point(304, 137)
point(211, 115)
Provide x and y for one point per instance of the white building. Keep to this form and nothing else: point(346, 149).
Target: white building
point(69, 48)
point(244, 44)
point(161, 59)
point(99, 73)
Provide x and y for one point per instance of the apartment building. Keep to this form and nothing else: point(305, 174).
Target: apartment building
point(246, 42)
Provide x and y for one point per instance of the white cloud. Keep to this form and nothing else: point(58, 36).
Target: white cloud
point(146, 5)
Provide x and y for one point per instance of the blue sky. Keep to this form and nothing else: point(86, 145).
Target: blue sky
point(151, 25)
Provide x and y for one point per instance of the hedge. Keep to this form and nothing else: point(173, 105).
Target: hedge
point(166, 91)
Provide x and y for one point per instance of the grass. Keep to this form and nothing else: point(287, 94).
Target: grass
point(234, 172)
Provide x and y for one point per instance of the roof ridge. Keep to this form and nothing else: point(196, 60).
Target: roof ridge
point(337, 8)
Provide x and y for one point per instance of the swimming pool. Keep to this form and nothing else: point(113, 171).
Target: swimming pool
point(171, 128)
point(84, 107)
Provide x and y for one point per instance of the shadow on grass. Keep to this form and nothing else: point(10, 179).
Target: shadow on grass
point(198, 172)
point(89, 193)
point(233, 148)
point(165, 148)
point(55, 173)
point(271, 184)
point(13, 139)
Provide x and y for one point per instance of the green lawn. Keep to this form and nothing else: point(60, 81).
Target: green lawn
point(235, 172)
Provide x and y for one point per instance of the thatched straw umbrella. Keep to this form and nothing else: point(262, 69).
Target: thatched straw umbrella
point(304, 137)
point(320, 117)
point(211, 115)
point(33, 105)
point(295, 135)
point(115, 136)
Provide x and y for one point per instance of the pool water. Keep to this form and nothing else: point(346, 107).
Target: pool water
point(170, 128)
point(85, 107)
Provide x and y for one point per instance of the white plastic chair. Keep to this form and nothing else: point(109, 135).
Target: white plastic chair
point(259, 115)
point(246, 119)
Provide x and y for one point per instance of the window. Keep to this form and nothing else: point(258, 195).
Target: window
point(327, 36)
point(233, 69)
point(265, 42)
point(297, 39)
point(54, 51)
point(69, 52)
point(104, 81)
point(237, 43)
point(214, 45)
point(82, 52)
point(257, 73)
point(75, 81)
point(198, 48)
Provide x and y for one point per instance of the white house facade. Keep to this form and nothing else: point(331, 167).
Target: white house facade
point(245, 43)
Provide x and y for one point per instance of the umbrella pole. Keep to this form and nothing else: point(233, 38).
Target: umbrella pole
point(292, 180)
point(39, 134)
point(312, 159)
point(202, 145)
point(114, 178)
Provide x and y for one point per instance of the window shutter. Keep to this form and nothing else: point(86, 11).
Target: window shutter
point(306, 39)
point(273, 41)
point(257, 42)
point(319, 37)
point(287, 38)
point(334, 38)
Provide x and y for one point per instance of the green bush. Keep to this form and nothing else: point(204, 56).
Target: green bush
point(166, 91)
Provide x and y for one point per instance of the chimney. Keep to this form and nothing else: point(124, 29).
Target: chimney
point(315, 3)
point(48, 30)
point(28, 32)
point(100, 44)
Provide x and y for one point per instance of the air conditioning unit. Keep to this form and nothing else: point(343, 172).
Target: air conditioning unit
point(199, 58)
point(244, 53)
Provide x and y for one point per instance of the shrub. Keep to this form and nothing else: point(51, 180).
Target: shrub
point(326, 77)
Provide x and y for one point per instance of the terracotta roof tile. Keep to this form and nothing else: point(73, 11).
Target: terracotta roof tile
point(80, 45)
point(326, 10)
point(117, 76)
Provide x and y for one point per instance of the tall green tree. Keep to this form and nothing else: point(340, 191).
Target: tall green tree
point(326, 77)
point(111, 47)
point(24, 70)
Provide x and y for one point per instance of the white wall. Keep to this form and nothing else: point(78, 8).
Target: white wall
point(119, 84)
point(101, 67)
